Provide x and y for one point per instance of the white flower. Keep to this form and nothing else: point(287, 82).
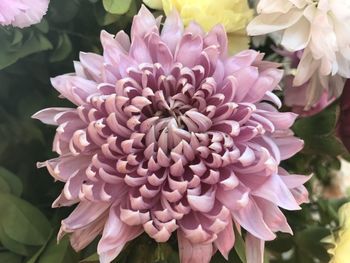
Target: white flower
point(22, 13)
point(319, 27)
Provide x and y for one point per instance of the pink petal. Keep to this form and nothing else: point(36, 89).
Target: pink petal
point(115, 235)
point(74, 88)
point(83, 237)
point(84, 214)
point(92, 64)
point(143, 23)
point(33, 15)
point(248, 76)
point(226, 240)
point(277, 192)
point(50, 115)
point(240, 60)
point(172, 31)
point(245, 211)
point(288, 146)
point(217, 37)
point(273, 216)
point(254, 249)
point(193, 253)
point(189, 49)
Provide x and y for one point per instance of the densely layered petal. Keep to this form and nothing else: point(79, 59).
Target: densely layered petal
point(168, 134)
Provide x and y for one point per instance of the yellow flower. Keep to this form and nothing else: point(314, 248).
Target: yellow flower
point(341, 240)
point(233, 14)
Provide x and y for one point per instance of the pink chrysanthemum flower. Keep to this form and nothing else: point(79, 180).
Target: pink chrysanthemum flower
point(170, 135)
point(22, 13)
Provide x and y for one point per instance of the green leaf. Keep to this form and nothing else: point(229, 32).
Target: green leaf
point(8, 257)
point(13, 245)
point(118, 7)
point(32, 44)
point(23, 222)
point(60, 252)
point(309, 242)
point(37, 254)
point(133, 9)
point(322, 123)
point(4, 186)
point(43, 26)
point(93, 258)
point(14, 183)
point(63, 48)
point(329, 145)
point(17, 37)
point(318, 132)
point(165, 253)
point(282, 244)
point(240, 246)
point(62, 11)
point(104, 18)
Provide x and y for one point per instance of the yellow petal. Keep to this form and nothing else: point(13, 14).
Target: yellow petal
point(341, 240)
point(234, 15)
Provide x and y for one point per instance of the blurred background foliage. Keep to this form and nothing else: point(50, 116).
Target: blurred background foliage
point(28, 224)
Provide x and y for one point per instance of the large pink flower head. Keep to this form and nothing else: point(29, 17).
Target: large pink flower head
point(22, 13)
point(170, 135)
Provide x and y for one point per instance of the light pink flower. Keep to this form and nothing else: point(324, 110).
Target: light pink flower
point(296, 97)
point(170, 135)
point(318, 28)
point(22, 13)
